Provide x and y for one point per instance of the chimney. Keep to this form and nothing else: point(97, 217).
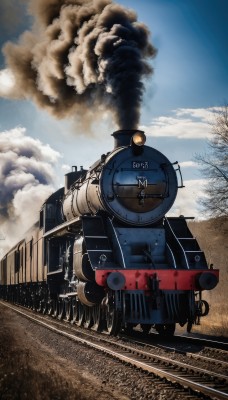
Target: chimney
point(123, 137)
point(70, 178)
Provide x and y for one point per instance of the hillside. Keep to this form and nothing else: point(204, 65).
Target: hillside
point(212, 236)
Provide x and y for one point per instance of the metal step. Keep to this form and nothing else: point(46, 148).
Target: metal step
point(97, 242)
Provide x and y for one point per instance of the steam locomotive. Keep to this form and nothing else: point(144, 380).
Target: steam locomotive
point(104, 255)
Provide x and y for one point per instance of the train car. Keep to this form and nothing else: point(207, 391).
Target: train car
point(104, 254)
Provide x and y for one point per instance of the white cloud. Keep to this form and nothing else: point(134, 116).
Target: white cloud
point(7, 83)
point(186, 123)
point(204, 114)
point(17, 141)
point(66, 168)
point(188, 164)
point(187, 201)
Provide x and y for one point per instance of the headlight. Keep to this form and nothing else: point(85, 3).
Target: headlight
point(139, 138)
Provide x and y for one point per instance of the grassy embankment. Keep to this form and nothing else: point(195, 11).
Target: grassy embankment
point(212, 237)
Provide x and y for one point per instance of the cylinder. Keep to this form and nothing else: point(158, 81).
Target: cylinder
point(90, 293)
point(83, 269)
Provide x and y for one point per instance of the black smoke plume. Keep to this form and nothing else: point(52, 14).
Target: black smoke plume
point(82, 55)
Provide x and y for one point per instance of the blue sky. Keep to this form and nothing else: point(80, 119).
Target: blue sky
point(190, 79)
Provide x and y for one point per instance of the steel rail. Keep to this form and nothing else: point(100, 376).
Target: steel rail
point(203, 341)
point(178, 351)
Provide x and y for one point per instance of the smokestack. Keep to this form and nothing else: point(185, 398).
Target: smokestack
point(83, 55)
point(123, 137)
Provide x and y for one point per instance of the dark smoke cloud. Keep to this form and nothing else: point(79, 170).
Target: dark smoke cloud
point(82, 55)
point(26, 177)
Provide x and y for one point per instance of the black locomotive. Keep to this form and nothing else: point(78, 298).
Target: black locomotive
point(104, 255)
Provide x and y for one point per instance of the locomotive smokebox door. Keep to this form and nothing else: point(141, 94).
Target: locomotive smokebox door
point(137, 189)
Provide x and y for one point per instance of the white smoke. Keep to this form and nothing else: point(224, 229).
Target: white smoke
point(26, 180)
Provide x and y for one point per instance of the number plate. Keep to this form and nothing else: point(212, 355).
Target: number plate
point(140, 164)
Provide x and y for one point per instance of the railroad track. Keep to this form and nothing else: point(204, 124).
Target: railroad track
point(212, 344)
point(199, 357)
point(217, 350)
point(202, 341)
point(192, 381)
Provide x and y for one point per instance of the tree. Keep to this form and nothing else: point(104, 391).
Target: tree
point(214, 166)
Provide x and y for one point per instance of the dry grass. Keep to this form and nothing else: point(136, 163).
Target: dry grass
point(28, 371)
point(21, 379)
point(212, 236)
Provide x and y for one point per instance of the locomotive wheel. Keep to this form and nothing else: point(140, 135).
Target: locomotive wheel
point(129, 329)
point(45, 308)
point(145, 328)
point(61, 313)
point(97, 318)
point(50, 308)
point(88, 318)
point(34, 304)
point(81, 314)
point(55, 308)
point(39, 307)
point(68, 309)
point(189, 326)
point(74, 310)
point(113, 320)
point(166, 329)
